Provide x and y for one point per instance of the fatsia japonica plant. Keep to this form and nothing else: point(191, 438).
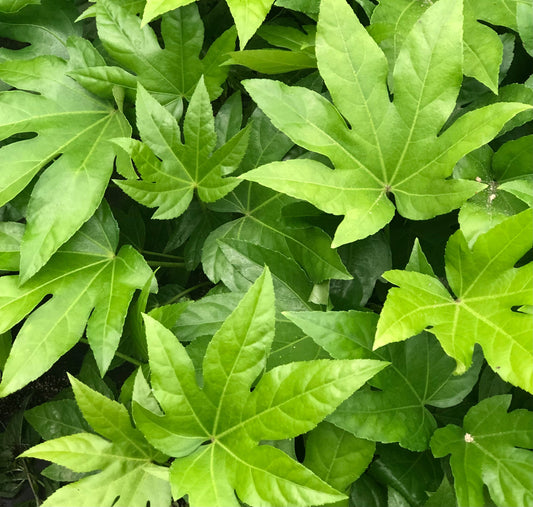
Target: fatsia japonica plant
point(266, 253)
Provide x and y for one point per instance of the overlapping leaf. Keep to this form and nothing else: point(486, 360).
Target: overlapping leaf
point(248, 15)
point(389, 147)
point(15, 5)
point(420, 375)
point(486, 289)
point(508, 174)
point(45, 27)
point(73, 131)
point(85, 274)
point(168, 73)
point(230, 420)
point(392, 21)
point(491, 449)
point(125, 461)
point(187, 166)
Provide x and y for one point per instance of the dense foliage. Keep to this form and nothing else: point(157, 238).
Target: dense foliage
point(331, 301)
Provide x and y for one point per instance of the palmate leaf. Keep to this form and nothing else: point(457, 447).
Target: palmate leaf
point(73, 131)
point(490, 448)
point(231, 421)
point(248, 14)
point(193, 165)
point(168, 73)
point(420, 375)
point(85, 274)
point(390, 147)
point(125, 461)
point(392, 21)
point(486, 289)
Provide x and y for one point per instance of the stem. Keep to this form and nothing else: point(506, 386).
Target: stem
point(164, 264)
point(159, 254)
point(130, 359)
point(187, 291)
point(30, 481)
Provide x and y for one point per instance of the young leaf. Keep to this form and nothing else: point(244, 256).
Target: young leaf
point(231, 421)
point(170, 73)
point(73, 129)
point(392, 147)
point(169, 184)
point(491, 449)
point(486, 287)
point(420, 375)
point(85, 274)
point(123, 458)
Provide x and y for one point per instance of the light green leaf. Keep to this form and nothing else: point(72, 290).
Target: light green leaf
point(85, 274)
point(73, 130)
point(491, 449)
point(485, 287)
point(155, 8)
point(231, 420)
point(186, 166)
point(170, 73)
point(123, 458)
point(420, 375)
point(392, 147)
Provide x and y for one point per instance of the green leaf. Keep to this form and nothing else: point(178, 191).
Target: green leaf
point(10, 237)
point(46, 28)
point(509, 191)
point(73, 129)
point(491, 449)
point(123, 458)
point(56, 419)
point(168, 74)
point(169, 185)
point(392, 147)
point(420, 375)
point(337, 456)
point(248, 15)
point(485, 286)
point(85, 274)
point(16, 5)
point(392, 20)
point(231, 421)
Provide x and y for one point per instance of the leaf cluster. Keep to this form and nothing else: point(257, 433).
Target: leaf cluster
point(266, 253)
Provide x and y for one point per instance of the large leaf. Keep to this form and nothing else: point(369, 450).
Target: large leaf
point(390, 147)
point(123, 458)
point(187, 166)
point(169, 73)
point(486, 289)
point(73, 129)
point(396, 409)
point(15, 5)
point(248, 14)
point(231, 421)
point(85, 274)
point(490, 448)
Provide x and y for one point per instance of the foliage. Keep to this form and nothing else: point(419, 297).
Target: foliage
point(331, 302)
